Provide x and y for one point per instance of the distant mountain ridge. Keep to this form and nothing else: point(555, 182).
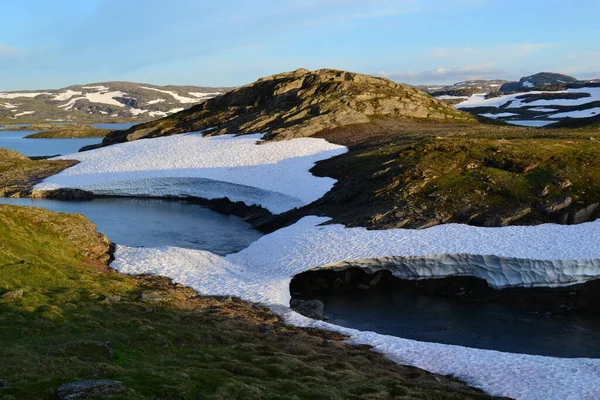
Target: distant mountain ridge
point(537, 81)
point(103, 101)
point(541, 80)
point(543, 99)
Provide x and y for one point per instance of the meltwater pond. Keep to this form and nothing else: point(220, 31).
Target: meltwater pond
point(155, 222)
point(481, 325)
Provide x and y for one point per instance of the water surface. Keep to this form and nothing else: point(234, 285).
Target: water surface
point(480, 325)
point(15, 140)
point(154, 222)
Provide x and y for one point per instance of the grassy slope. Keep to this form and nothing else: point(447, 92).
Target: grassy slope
point(18, 173)
point(64, 328)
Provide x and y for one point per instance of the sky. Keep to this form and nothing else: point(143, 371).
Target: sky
point(53, 44)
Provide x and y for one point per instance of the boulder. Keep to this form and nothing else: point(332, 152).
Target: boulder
point(309, 308)
point(14, 294)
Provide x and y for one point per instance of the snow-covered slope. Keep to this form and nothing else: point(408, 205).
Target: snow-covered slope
point(263, 271)
point(273, 175)
point(535, 108)
point(104, 100)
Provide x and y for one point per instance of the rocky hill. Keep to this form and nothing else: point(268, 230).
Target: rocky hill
point(298, 104)
point(102, 102)
point(537, 81)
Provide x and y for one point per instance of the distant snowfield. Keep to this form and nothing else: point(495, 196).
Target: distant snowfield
point(512, 101)
point(273, 175)
point(262, 273)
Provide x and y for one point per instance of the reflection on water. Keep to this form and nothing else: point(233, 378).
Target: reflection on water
point(153, 223)
point(481, 325)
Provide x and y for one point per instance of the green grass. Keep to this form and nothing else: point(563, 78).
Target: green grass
point(183, 347)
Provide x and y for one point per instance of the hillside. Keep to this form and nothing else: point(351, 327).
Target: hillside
point(144, 337)
point(299, 104)
point(101, 102)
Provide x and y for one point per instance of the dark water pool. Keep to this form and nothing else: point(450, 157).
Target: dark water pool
point(152, 223)
point(481, 325)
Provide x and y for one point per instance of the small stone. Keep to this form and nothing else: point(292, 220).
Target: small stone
point(152, 297)
point(15, 294)
point(112, 299)
point(88, 389)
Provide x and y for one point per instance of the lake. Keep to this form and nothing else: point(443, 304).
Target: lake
point(155, 222)
point(15, 140)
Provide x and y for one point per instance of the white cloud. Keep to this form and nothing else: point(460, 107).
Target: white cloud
point(8, 51)
point(446, 75)
point(498, 53)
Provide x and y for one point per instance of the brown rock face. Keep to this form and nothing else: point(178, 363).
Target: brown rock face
point(299, 104)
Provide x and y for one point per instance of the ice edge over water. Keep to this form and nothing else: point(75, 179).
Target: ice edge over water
point(274, 175)
point(262, 273)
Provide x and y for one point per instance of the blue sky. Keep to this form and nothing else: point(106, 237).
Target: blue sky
point(52, 44)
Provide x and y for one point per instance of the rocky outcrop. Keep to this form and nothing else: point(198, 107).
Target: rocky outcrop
point(299, 104)
point(19, 174)
point(309, 308)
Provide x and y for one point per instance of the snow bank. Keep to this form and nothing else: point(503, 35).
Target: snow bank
point(500, 115)
point(532, 123)
point(274, 175)
point(262, 273)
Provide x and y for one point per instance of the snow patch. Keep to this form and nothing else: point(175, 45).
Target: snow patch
point(272, 174)
point(66, 95)
point(500, 115)
point(155, 101)
point(24, 113)
point(16, 95)
point(181, 99)
point(530, 123)
point(590, 112)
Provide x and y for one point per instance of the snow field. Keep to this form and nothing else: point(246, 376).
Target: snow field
point(274, 175)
